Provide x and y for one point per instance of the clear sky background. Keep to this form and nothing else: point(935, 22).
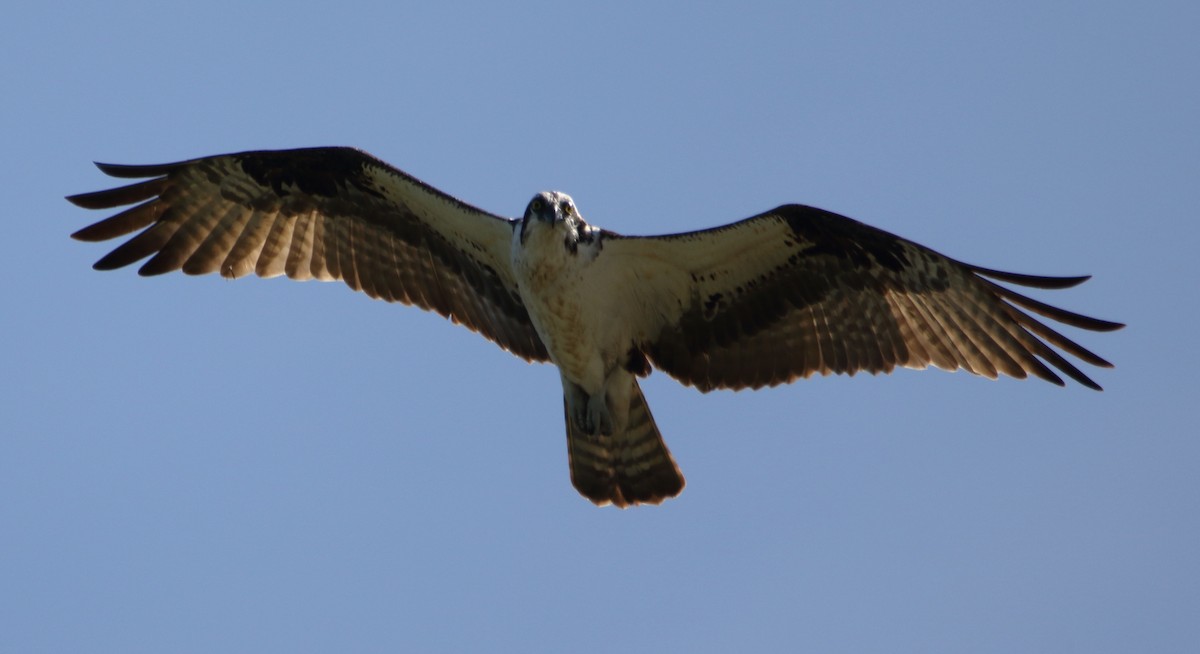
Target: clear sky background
point(196, 465)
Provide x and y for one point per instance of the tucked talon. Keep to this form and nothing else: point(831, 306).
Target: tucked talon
point(599, 418)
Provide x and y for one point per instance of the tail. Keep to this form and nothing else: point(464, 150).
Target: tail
point(630, 467)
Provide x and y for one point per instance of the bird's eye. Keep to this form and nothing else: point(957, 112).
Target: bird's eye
point(536, 205)
point(565, 207)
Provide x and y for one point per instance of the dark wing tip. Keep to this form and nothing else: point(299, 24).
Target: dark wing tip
point(122, 195)
point(1080, 377)
point(87, 234)
point(108, 263)
point(128, 171)
point(92, 200)
point(1032, 281)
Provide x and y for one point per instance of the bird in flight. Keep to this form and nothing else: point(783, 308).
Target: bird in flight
point(763, 301)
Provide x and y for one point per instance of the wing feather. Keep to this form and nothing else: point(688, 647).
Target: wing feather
point(243, 257)
point(126, 222)
point(119, 197)
point(138, 248)
point(942, 354)
point(319, 213)
point(211, 252)
point(800, 290)
point(188, 236)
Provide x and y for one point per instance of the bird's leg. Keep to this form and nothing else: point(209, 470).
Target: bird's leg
point(589, 412)
point(599, 417)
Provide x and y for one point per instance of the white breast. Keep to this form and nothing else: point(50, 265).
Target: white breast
point(571, 304)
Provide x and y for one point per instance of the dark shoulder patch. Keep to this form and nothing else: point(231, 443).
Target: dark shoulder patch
point(588, 236)
point(713, 305)
point(324, 172)
point(637, 363)
point(845, 238)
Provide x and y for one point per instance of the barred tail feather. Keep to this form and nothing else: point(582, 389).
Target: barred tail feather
point(631, 467)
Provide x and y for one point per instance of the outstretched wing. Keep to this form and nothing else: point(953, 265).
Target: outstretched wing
point(800, 290)
point(320, 213)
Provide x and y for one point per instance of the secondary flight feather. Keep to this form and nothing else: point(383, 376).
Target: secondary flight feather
point(764, 301)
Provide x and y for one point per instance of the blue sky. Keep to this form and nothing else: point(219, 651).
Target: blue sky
point(190, 464)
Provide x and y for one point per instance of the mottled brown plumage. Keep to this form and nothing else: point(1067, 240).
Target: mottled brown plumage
point(764, 301)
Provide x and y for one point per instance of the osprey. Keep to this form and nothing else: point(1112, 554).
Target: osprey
point(779, 296)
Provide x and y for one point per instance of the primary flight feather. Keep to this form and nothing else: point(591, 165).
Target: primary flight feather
point(763, 301)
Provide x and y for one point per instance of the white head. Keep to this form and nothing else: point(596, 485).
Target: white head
point(551, 207)
point(557, 211)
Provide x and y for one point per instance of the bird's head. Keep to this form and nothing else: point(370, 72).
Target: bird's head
point(553, 210)
point(551, 207)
